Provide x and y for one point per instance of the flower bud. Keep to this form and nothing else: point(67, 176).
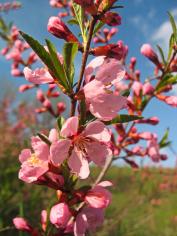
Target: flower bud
point(61, 107)
point(60, 215)
point(21, 224)
point(148, 52)
point(148, 89)
point(111, 19)
point(40, 95)
point(58, 28)
point(88, 6)
point(111, 50)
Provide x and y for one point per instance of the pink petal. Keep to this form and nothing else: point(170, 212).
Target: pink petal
point(38, 76)
point(40, 148)
point(108, 106)
point(110, 72)
point(80, 225)
point(79, 165)
point(96, 62)
point(97, 130)
point(98, 153)
point(105, 184)
point(53, 135)
point(24, 155)
point(70, 127)
point(59, 151)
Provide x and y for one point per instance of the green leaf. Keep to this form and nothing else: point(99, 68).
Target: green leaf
point(44, 138)
point(173, 25)
point(59, 70)
point(73, 21)
point(98, 26)
point(39, 50)
point(69, 53)
point(164, 141)
point(161, 54)
point(171, 44)
point(125, 93)
point(79, 14)
point(168, 79)
point(60, 122)
point(123, 119)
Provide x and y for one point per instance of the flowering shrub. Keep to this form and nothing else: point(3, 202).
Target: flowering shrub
point(94, 132)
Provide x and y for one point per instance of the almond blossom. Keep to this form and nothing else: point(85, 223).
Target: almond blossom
point(103, 101)
point(81, 147)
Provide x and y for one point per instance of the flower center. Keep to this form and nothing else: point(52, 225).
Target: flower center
point(81, 142)
point(34, 160)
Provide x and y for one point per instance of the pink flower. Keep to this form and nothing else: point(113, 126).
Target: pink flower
point(22, 224)
point(103, 101)
point(88, 220)
point(60, 215)
point(38, 76)
point(99, 197)
point(171, 100)
point(35, 164)
point(84, 146)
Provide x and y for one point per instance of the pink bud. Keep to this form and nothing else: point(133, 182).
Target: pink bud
point(98, 197)
point(171, 100)
point(40, 95)
point(111, 18)
point(47, 104)
point(148, 52)
point(21, 224)
point(61, 107)
point(148, 89)
point(137, 88)
point(58, 28)
point(60, 215)
point(25, 87)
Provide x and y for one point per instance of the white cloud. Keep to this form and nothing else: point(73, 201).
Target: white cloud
point(162, 34)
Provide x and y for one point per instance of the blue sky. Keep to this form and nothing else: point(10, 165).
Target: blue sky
point(142, 21)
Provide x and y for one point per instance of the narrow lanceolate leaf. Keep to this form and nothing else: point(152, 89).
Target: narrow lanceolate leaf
point(69, 53)
point(58, 67)
point(164, 142)
point(171, 44)
point(169, 79)
point(79, 14)
point(60, 122)
point(123, 119)
point(173, 25)
point(161, 54)
point(44, 138)
point(39, 50)
point(98, 26)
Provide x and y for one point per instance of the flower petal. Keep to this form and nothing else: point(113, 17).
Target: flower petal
point(98, 152)
point(53, 135)
point(97, 130)
point(79, 165)
point(70, 127)
point(24, 155)
point(38, 76)
point(59, 151)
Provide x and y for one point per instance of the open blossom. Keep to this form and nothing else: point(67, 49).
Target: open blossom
point(35, 164)
point(88, 220)
point(103, 101)
point(60, 215)
point(81, 147)
point(38, 76)
point(99, 197)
